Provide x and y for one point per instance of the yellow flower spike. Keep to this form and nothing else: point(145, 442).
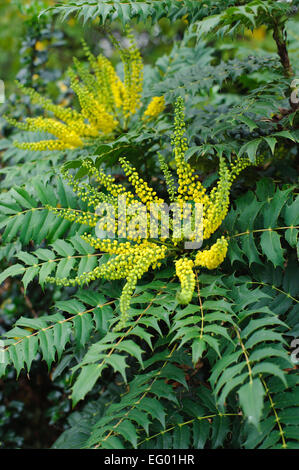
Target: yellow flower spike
point(184, 271)
point(40, 45)
point(155, 107)
point(136, 76)
point(145, 193)
point(56, 128)
point(132, 254)
point(93, 110)
point(189, 187)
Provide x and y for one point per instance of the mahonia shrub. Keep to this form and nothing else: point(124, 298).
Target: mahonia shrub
point(107, 103)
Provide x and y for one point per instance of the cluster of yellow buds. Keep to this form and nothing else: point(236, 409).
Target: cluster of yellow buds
point(133, 71)
point(106, 102)
point(145, 193)
point(184, 271)
point(213, 257)
point(128, 262)
point(133, 254)
point(170, 184)
point(155, 107)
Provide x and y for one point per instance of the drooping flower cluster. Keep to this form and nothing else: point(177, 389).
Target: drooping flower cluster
point(133, 247)
point(106, 102)
point(185, 273)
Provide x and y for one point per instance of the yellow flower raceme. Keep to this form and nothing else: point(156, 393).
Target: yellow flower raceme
point(155, 107)
point(133, 69)
point(129, 262)
point(189, 187)
point(40, 46)
point(106, 102)
point(213, 257)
